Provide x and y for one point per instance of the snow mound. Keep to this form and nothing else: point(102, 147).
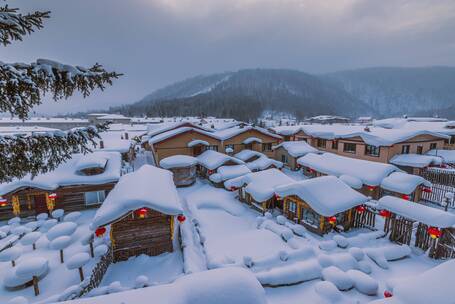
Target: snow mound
point(141, 281)
point(363, 282)
point(30, 238)
point(178, 161)
point(32, 267)
point(14, 221)
point(291, 274)
point(328, 291)
point(78, 260)
point(57, 213)
point(338, 277)
point(60, 242)
point(66, 228)
point(101, 250)
point(72, 216)
point(10, 254)
point(327, 245)
point(382, 255)
point(42, 216)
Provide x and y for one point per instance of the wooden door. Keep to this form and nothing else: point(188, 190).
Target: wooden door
point(197, 150)
point(40, 203)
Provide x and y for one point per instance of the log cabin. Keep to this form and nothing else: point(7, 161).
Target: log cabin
point(289, 151)
point(405, 186)
point(140, 212)
point(209, 161)
point(183, 168)
point(80, 183)
point(320, 204)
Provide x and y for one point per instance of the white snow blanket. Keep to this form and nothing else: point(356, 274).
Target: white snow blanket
point(326, 195)
point(212, 159)
point(178, 161)
point(447, 155)
point(418, 212)
point(148, 187)
point(351, 181)
point(250, 140)
point(224, 173)
point(197, 142)
point(221, 286)
point(67, 174)
point(247, 154)
point(297, 148)
point(415, 160)
point(432, 286)
point(261, 185)
point(263, 163)
point(403, 183)
point(92, 160)
point(370, 173)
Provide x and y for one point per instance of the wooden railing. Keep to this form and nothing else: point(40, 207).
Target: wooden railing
point(98, 273)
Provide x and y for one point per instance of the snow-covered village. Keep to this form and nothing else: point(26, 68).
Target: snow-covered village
point(263, 185)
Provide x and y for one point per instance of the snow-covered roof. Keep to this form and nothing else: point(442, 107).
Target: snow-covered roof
point(167, 126)
point(221, 286)
point(171, 133)
point(148, 187)
point(431, 286)
point(260, 185)
point(252, 139)
point(351, 181)
point(447, 155)
point(370, 173)
point(263, 163)
point(234, 131)
point(212, 159)
point(404, 183)
point(418, 212)
point(67, 174)
point(91, 161)
point(247, 154)
point(196, 142)
point(297, 148)
point(227, 172)
point(327, 195)
point(415, 160)
point(287, 130)
point(178, 161)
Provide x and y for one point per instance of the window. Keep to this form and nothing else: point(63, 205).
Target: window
point(405, 149)
point(248, 146)
point(310, 217)
point(349, 147)
point(292, 207)
point(372, 150)
point(284, 159)
point(335, 144)
point(211, 147)
point(231, 146)
point(267, 147)
point(321, 143)
point(433, 146)
point(301, 139)
point(95, 197)
point(419, 149)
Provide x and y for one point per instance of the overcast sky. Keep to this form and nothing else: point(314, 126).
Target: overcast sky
point(157, 42)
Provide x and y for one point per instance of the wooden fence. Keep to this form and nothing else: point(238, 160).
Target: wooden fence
point(439, 176)
point(443, 182)
point(365, 219)
point(98, 273)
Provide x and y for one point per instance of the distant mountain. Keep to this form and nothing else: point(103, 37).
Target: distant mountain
point(247, 93)
point(397, 91)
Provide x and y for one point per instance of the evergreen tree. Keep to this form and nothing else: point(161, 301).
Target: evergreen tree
point(22, 87)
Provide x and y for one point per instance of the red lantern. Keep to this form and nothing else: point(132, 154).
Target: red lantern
point(427, 190)
point(100, 231)
point(52, 196)
point(332, 220)
point(181, 218)
point(142, 213)
point(277, 197)
point(233, 188)
point(387, 294)
point(434, 232)
point(210, 172)
point(360, 209)
point(385, 213)
point(3, 202)
point(371, 188)
point(405, 197)
point(310, 170)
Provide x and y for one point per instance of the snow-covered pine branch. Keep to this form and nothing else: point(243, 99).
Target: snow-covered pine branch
point(43, 152)
point(22, 85)
point(14, 25)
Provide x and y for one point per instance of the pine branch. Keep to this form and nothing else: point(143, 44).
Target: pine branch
point(13, 25)
point(23, 85)
point(43, 152)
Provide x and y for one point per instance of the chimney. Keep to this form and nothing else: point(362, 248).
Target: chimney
point(101, 144)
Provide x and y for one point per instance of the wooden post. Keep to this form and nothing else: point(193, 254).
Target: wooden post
point(81, 274)
point(61, 256)
point(35, 285)
point(92, 253)
point(34, 246)
point(13, 263)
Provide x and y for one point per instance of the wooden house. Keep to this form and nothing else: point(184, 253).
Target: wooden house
point(321, 204)
point(405, 186)
point(183, 167)
point(416, 163)
point(141, 212)
point(435, 227)
point(225, 173)
point(289, 151)
point(80, 183)
point(210, 161)
point(258, 189)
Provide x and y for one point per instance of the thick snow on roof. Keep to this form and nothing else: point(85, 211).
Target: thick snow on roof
point(250, 140)
point(197, 142)
point(415, 160)
point(418, 212)
point(247, 154)
point(168, 134)
point(351, 181)
point(212, 159)
point(403, 183)
point(287, 130)
point(221, 286)
point(370, 173)
point(228, 172)
point(67, 174)
point(167, 126)
point(297, 148)
point(178, 161)
point(327, 195)
point(231, 132)
point(432, 286)
point(92, 160)
point(148, 187)
point(263, 163)
point(447, 155)
point(260, 185)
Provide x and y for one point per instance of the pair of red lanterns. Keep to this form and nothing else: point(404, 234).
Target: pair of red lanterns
point(3, 202)
point(434, 232)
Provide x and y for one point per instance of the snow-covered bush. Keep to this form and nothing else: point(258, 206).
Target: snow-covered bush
point(31, 238)
point(58, 214)
point(60, 243)
point(10, 255)
point(78, 261)
point(19, 230)
point(66, 228)
point(32, 269)
point(48, 224)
